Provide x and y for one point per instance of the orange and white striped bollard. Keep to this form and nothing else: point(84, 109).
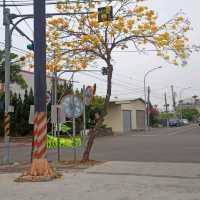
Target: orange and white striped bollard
point(40, 135)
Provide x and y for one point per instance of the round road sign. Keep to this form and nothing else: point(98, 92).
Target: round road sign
point(73, 106)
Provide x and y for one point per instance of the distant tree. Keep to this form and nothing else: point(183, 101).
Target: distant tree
point(96, 106)
point(164, 115)
point(154, 116)
point(14, 101)
point(19, 116)
point(30, 97)
point(26, 110)
point(1, 113)
point(16, 77)
point(63, 88)
point(191, 114)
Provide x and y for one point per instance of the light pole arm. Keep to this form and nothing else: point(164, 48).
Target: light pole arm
point(21, 32)
point(151, 70)
point(145, 96)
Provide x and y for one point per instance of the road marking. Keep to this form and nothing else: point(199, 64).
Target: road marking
point(14, 145)
point(192, 148)
point(144, 135)
point(138, 174)
point(180, 131)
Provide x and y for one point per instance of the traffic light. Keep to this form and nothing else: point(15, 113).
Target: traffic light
point(30, 47)
point(105, 14)
point(23, 58)
point(104, 71)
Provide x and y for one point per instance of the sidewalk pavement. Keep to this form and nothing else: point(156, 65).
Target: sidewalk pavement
point(112, 181)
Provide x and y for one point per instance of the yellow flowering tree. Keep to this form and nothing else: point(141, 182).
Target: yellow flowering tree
point(79, 39)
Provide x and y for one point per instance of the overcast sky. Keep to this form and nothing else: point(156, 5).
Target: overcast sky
point(130, 67)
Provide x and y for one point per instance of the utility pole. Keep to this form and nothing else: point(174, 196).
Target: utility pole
point(148, 106)
point(54, 92)
point(166, 104)
point(40, 123)
point(173, 98)
point(145, 96)
point(166, 107)
point(6, 23)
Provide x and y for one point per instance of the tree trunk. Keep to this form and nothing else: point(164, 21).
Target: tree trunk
point(99, 119)
point(86, 154)
point(109, 86)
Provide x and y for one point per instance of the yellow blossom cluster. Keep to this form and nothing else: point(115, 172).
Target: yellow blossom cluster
point(162, 39)
point(83, 39)
point(53, 67)
point(59, 22)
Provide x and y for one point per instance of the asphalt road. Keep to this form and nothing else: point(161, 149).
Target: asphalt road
point(158, 145)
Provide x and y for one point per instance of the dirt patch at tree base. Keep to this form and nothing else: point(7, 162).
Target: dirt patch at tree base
point(68, 166)
point(39, 171)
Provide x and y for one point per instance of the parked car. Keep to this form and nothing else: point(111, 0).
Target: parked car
point(175, 123)
point(185, 121)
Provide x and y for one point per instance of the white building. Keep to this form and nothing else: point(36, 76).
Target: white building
point(126, 115)
point(190, 103)
point(29, 78)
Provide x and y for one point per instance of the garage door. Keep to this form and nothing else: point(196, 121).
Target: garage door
point(140, 117)
point(127, 120)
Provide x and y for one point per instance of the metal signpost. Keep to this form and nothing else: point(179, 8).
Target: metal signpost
point(57, 117)
point(58, 132)
point(6, 22)
point(73, 108)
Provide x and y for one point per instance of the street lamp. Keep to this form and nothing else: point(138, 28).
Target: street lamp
point(181, 101)
point(145, 96)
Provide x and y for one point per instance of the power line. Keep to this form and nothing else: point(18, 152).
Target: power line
point(120, 74)
point(18, 10)
point(15, 34)
point(113, 83)
point(30, 3)
point(116, 93)
point(122, 83)
point(15, 48)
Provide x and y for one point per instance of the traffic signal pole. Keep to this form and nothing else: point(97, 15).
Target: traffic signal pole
point(6, 22)
point(40, 124)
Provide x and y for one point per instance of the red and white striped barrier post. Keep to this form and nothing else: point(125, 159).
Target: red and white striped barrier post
point(40, 135)
point(6, 124)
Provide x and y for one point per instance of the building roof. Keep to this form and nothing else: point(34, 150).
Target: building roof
point(190, 101)
point(48, 76)
point(121, 101)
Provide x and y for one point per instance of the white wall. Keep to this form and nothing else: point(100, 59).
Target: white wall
point(29, 78)
point(114, 118)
